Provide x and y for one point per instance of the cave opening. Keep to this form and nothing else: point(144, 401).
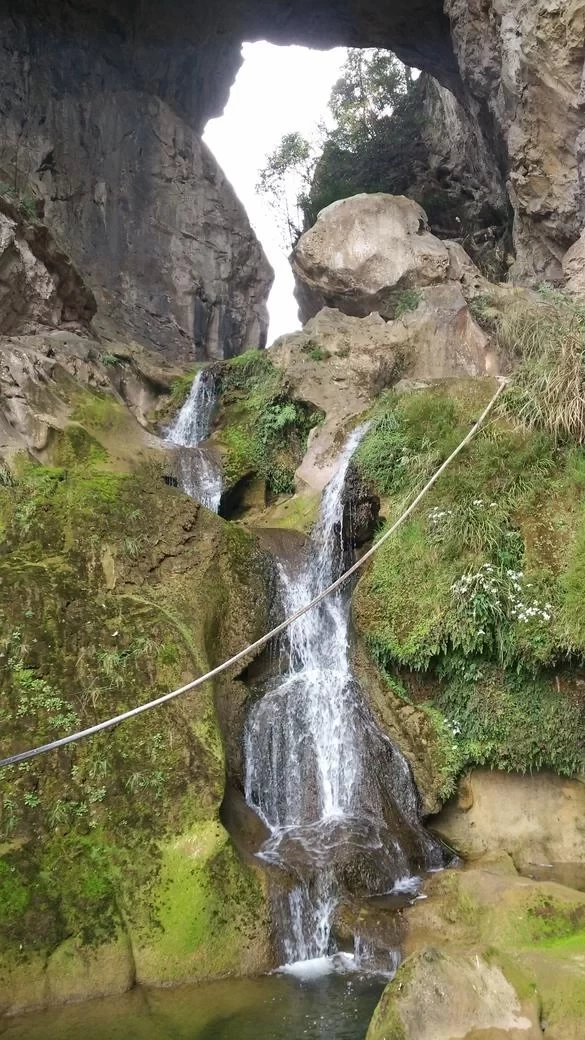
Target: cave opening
point(303, 128)
point(279, 90)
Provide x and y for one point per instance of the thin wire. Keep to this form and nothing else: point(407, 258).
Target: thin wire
point(132, 712)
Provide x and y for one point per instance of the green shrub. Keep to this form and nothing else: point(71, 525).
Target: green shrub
point(110, 360)
point(512, 722)
point(406, 300)
point(262, 429)
point(482, 588)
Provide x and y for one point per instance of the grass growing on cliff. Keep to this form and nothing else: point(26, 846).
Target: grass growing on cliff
point(481, 590)
point(263, 430)
point(548, 390)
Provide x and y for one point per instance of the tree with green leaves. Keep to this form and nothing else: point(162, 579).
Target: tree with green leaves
point(370, 86)
point(286, 180)
point(299, 174)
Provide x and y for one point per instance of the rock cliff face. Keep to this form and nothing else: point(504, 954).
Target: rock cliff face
point(102, 108)
point(522, 64)
point(106, 131)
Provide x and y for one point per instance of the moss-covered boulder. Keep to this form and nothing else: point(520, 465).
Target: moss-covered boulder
point(114, 589)
point(453, 996)
point(488, 950)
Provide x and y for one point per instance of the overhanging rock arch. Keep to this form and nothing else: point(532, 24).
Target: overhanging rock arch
point(117, 93)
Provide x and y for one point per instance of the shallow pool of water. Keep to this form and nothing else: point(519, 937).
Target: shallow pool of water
point(274, 1007)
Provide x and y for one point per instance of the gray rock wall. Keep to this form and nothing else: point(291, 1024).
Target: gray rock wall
point(139, 201)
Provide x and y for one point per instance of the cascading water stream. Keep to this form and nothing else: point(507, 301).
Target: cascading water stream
point(199, 472)
point(336, 795)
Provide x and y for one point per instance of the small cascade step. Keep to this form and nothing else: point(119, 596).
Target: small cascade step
point(199, 473)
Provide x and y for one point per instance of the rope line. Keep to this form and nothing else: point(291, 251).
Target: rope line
point(259, 643)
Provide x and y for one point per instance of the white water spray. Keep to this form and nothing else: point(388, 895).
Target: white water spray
point(199, 472)
point(313, 754)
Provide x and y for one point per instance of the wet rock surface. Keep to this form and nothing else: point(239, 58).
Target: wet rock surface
point(488, 950)
point(361, 510)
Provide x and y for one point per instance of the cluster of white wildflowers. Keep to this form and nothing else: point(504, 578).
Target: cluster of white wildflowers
point(511, 595)
point(454, 727)
point(479, 503)
point(485, 580)
point(525, 611)
point(438, 517)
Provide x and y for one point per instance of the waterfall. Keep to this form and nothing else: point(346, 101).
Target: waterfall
point(199, 472)
point(336, 795)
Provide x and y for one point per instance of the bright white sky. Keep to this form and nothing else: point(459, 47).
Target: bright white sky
point(277, 90)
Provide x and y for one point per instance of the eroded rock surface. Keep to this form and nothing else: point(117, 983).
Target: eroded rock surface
point(39, 285)
point(114, 867)
point(42, 381)
point(522, 64)
point(574, 266)
point(538, 820)
point(341, 363)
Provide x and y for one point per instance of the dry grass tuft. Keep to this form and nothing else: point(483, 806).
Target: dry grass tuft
point(548, 389)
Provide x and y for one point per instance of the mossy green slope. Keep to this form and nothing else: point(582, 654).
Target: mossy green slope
point(476, 606)
point(114, 589)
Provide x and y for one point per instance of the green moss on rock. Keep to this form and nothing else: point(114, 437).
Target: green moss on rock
point(262, 428)
point(211, 913)
point(485, 947)
point(114, 589)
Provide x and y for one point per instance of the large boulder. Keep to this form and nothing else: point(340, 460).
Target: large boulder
point(445, 996)
point(488, 954)
point(538, 820)
point(361, 251)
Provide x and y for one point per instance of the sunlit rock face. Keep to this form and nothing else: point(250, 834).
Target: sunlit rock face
point(103, 104)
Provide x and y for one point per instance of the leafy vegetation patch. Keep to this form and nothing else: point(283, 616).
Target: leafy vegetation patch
point(262, 429)
point(481, 590)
